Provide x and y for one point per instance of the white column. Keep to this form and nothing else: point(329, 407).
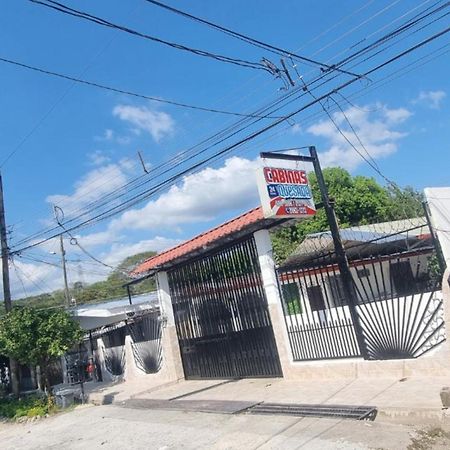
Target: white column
point(165, 302)
point(172, 365)
point(267, 264)
point(270, 283)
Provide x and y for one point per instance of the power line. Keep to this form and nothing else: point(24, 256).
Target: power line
point(178, 160)
point(277, 50)
point(354, 132)
point(161, 185)
point(127, 92)
point(369, 161)
point(216, 135)
point(136, 199)
point(55, 104)
point(60, 7)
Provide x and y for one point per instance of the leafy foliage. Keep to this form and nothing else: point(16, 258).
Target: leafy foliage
point(38, 337)
point(358, 200)
point(30, 406)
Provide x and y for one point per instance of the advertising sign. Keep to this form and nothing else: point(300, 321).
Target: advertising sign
point(285, 193)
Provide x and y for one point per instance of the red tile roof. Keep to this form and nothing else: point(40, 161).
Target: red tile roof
point(208, 237)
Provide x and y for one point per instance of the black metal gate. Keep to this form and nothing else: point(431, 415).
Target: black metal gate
point(399, 302)
point(221, 315)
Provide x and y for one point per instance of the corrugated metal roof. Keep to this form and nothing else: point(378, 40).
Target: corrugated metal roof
point(363, 240)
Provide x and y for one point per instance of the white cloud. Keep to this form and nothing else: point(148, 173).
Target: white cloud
point(97, 239)
point(158, 124)
point(199, 197)
point(111, 136)
point(119, 251)
point(98, 158)
point(431, 99)
point(33, 278)
point(375, 129)
point(107, 136)
point(94, 185)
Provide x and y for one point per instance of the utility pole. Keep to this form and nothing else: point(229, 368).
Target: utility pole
point(63, 260)
point(341, 256)
point(13, 366)
point(5, 252)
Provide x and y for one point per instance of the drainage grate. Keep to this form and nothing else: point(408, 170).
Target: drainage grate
point(334, 411)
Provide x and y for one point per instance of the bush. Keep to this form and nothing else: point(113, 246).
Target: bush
point(30, 406)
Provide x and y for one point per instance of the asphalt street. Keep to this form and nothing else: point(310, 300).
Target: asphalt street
point(112, 426)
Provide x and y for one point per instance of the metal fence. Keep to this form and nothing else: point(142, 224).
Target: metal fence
point(398, 306)
point(146, 345)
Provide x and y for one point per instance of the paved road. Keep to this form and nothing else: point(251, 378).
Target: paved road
point(115, 427)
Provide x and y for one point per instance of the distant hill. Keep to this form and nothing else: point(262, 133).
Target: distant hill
point(110, 288)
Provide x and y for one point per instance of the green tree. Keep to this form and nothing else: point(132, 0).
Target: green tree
point(358, 201)
point(38, 337)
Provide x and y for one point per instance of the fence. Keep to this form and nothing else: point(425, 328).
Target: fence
point(399, 302)
point(145, 333)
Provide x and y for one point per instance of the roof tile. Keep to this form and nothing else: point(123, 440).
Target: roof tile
point(232, 226)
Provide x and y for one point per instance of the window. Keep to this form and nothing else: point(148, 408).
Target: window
point(402, 277)
point(291, 297)
point(315, 296)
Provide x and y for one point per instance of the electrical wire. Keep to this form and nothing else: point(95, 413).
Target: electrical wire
point(60, 7)
point(277, 50)
point(127, 92)
point(403, 53)
point(230, 135)
point(193, 168)
point(414, 8)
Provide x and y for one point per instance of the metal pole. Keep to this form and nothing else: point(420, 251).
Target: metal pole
point(63, 262)
point(6, 286)
point(341, 256)
point(129, 294)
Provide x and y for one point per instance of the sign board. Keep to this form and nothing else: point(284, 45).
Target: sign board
point(285, 193)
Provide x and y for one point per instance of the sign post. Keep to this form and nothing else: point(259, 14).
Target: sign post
point(286, 205)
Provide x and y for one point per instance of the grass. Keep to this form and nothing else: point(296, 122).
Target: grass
point(29, 406)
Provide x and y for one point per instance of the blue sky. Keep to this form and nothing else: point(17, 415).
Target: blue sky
point(75, 144)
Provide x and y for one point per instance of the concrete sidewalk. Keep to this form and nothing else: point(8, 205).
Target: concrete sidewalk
point(406, 399)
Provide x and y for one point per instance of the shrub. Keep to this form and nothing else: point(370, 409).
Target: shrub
point(30, 406)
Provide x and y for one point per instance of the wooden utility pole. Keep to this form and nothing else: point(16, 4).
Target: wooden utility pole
point(5, 252)
point(13, 366)
point(63, 260)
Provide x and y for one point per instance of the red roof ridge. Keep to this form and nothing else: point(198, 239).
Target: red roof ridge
point(198, 241)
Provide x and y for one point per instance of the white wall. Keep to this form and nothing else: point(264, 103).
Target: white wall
point(439, 203)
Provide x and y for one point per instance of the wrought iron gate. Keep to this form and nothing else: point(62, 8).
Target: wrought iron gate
point(399, 306)
point(221, 315)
